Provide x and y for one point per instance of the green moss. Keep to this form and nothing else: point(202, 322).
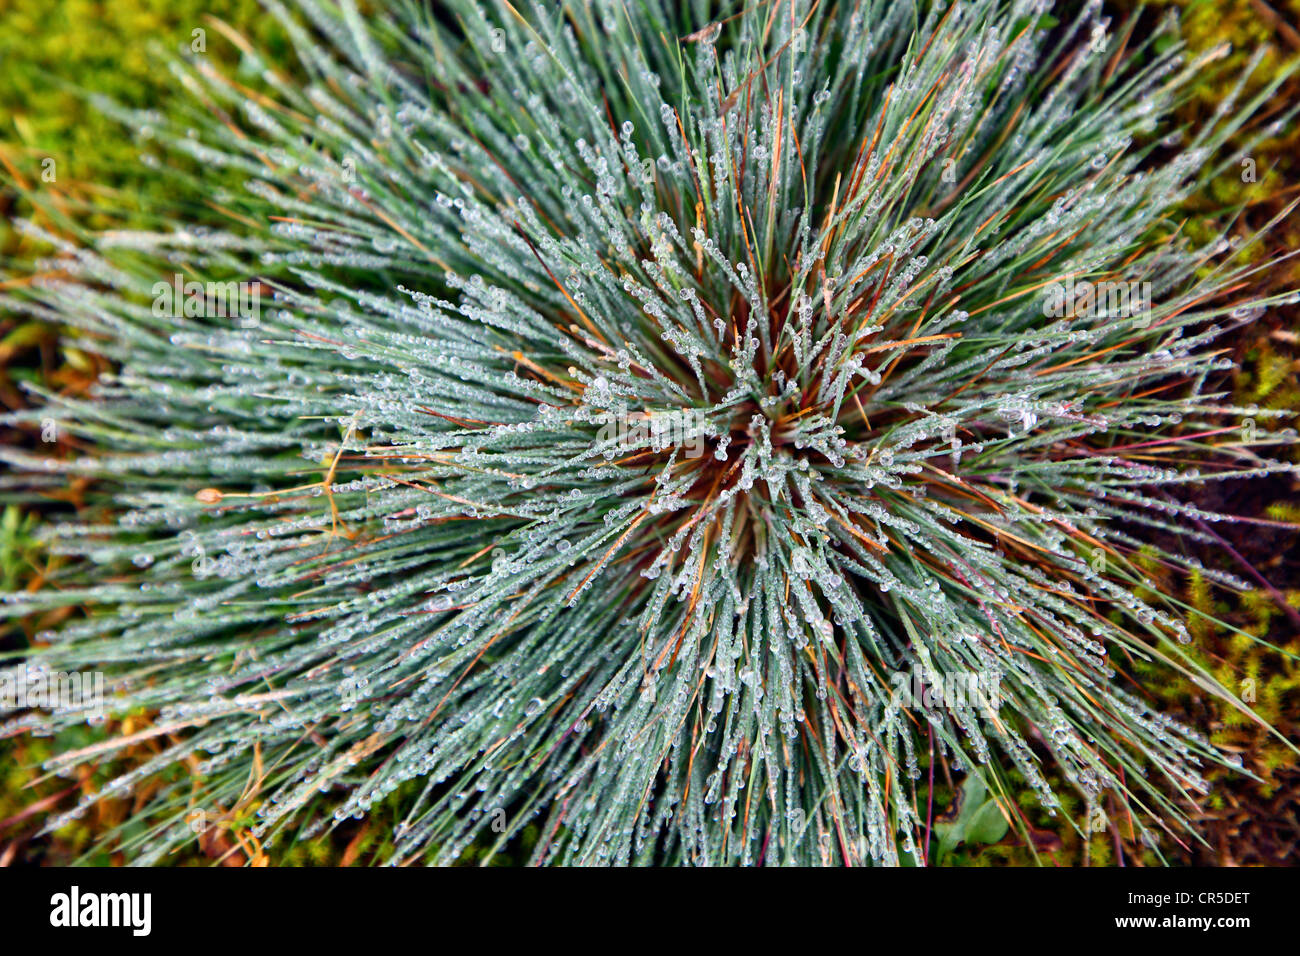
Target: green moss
point(53, 49)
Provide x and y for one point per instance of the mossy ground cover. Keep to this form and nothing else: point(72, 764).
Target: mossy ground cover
point(1249, 821)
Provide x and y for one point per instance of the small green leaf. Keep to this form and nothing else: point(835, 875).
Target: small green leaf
point(980, 820)
point(988, 824)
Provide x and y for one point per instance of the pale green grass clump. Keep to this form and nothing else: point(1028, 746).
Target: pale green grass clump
point(641, 402)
